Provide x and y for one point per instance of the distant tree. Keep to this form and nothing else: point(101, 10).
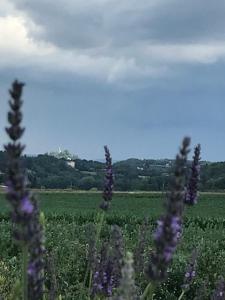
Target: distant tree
point(86, 183)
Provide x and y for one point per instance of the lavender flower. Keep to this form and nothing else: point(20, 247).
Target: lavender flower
point(17, 195)
point(36, 255)
point(219, 292)
point(117, 254)
point(191, 196)
point(103, 276)
point(108, 186)
point(108, 265)
point(191, 271)
point(169, 227)
point(25, 214)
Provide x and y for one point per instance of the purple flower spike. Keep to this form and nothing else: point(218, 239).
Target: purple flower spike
point(169, 227)
point(16, 192)
point(25, 214)
point(117, 247)
point(103, 282)
point(108, 187)
point(191, 196)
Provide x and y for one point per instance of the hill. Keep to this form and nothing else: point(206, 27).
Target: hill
point(46, 171)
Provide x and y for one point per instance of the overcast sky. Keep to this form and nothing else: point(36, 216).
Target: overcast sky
point(137, 75)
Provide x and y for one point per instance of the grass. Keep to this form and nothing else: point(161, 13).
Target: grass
point(140, 205)
point(68, 214)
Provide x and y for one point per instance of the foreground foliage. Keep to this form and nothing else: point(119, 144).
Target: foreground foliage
point(66, 240)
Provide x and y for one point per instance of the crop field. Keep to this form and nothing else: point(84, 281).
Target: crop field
point(137, 205)
point(68, 218)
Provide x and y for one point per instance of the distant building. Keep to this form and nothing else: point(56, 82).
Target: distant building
point(70, 162)
point(65, 154)
point(70, 159)
point(140, 168)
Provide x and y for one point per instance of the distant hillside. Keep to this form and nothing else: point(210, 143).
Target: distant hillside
point(46, 171)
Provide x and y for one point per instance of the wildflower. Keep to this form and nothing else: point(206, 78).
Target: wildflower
point(17, 194)
point(36, 255)
point(103, 276)
point(191, 271)
point(25, 213)
point(169, 229)
point(191, 196)
point(117, 254)
point(108, 186)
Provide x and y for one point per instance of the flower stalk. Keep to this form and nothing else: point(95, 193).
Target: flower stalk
point(169, 229)
point(27, 231)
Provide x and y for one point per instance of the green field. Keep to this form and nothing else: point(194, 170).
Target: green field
point(210, 205)
point(67, 219)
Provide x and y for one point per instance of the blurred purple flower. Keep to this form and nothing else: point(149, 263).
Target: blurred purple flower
point(25, 213)
point(169, 229)
point(117, 254)
point(36, 255)
point(103, 283)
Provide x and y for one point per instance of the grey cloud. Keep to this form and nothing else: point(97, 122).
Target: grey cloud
point(112, 24)
point(66, 27)
point(188, 21)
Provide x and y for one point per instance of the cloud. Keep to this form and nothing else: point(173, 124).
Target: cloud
point(97, 23)
point(122, 42)
point(19, 48)
point(186, 53)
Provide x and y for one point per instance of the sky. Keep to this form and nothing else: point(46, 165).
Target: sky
point(135, 75)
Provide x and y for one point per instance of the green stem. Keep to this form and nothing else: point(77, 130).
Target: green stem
point(24, 271)
point(181, 295)
point(97, 241)
point(99, 228)
point(148, 292)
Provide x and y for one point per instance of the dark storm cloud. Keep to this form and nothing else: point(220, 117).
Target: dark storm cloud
point(96, 24)
point(65, 24)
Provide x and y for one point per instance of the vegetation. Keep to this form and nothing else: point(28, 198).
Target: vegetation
point(46, 171)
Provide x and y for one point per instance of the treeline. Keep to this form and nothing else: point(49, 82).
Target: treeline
point(47, 172)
